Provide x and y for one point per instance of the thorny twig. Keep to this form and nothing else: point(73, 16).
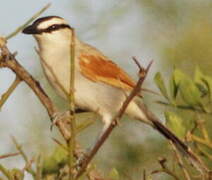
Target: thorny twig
point(7, 60)
point(84, 163)
point(164, 169)
point(17, 80)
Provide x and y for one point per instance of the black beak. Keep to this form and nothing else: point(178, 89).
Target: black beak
point(30, 30)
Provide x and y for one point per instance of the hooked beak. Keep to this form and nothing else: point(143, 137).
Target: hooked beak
point(30, 30)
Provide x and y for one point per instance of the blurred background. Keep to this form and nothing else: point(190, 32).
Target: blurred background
point(172, 33)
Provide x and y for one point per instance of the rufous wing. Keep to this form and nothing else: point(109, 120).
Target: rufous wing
point(100, 69)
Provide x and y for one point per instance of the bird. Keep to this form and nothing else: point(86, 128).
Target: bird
point(100, 85)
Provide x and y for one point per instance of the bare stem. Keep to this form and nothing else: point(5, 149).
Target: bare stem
point(22, 153)
point(6, 172)
point(20, 28)
point(183, 107)
point(10, 90)
point(52, 73)
point(71, 141)
point(201, 141)
point(39, 168)
point(9, 155)
point(164, 169)
point(8, 60)
point(180, 162)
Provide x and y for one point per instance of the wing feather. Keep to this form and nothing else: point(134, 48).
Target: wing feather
point(98, 68)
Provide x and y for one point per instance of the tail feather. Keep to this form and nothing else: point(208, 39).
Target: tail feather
point(169, 135)
point(179, 144)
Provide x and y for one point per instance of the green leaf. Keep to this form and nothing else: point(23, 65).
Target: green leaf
point(204, 81)
point(56, 160)
point(198, 78)
point(161, 85)
point(173, 88)
point(114, 174)
point(175, 123)
point(187, 88)
point(178, 76)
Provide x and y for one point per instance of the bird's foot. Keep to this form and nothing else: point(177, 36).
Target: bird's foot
point(82, 159)
point(59, 116)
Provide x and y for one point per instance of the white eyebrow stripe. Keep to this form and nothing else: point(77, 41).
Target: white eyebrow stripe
point(50, 22)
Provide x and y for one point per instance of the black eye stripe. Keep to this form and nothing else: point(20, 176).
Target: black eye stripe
point(52, 28)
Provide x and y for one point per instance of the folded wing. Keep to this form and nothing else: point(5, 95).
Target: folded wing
point(99, 69)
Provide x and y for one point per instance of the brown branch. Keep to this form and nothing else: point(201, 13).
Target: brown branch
point(8, 60)
point(9, 155)
point(84, 163)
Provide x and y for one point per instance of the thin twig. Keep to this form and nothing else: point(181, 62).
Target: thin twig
point(52, 73)
point(28, 167)
point(202, 127)
point(202, 152)
point(22, 153)
point(180, 162)
point(9, 155)
point(8, 60)
point(144, 174)
point(6, 172)
point(183, 107)
point(19, 148)
point(39, 168)
point(200, 140)
point(113, 124)
point(20, 28)
point(164, 169)
point(10, 90)
point(71, 141)
point(137, 62)
point(60, 144)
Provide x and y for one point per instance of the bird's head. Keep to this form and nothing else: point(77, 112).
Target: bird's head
point(49, 28)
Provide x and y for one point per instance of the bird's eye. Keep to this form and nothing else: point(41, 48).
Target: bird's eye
point(53, 27)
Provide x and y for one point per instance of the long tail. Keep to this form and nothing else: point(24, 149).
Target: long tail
point(180, 145)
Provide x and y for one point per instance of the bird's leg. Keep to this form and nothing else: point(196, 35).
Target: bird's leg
point(105, 126)
point(106, 120)
point(59, 116)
